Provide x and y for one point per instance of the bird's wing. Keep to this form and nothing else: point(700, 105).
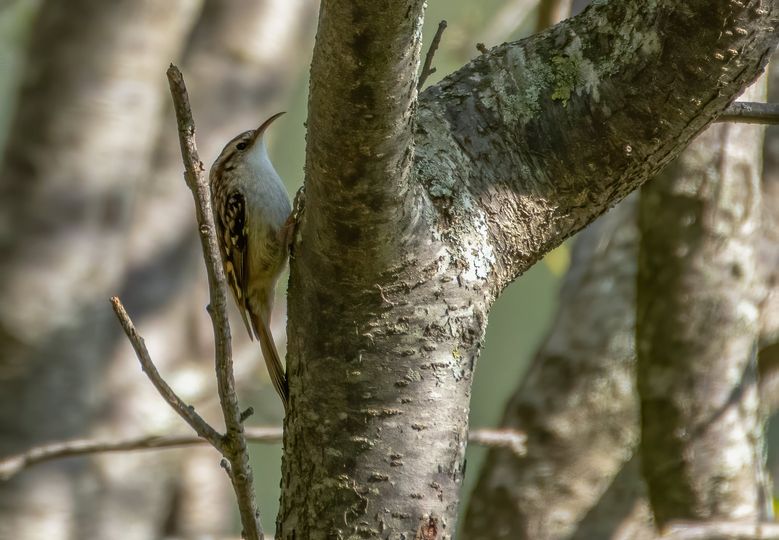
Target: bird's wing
point(234, 251)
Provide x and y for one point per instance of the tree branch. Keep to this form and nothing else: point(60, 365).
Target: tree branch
point(576, 404)
point(581, 115)
point(80, 447)
point(394, 276)
point(512, 440)
point(187, 412)
point(427, 70)
point(750, 112)
point(233, 444)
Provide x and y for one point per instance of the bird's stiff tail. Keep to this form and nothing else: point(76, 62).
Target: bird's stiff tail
point(272, 360)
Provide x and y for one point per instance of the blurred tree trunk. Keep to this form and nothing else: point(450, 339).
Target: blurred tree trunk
point(82, 138)
point(768, 252)
point(697, 329)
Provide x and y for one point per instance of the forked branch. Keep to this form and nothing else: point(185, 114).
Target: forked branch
point(232, 445)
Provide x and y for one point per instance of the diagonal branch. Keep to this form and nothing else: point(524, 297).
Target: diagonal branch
point(187, 412)
point(427, 68)
point(579, 115)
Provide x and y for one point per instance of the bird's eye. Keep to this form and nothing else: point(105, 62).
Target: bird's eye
point(241, 146)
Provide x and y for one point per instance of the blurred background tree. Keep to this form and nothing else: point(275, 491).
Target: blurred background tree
point(93, 203)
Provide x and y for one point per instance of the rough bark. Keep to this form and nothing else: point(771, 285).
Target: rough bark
point(394, 272)
point(697, 330)
point(81, 139)
point(577, 401)
point(581, 115)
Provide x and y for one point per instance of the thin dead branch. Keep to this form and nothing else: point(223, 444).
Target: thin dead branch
point(81, 447)
point(234, 443)
point(749, 112)
point(187, 412)
point(513, 440)
point(427, 70)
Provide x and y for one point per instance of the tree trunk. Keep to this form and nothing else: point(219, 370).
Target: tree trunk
point(511, 491)
point(409, 235)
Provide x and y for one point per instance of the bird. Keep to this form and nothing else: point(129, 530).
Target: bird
point(252, 209)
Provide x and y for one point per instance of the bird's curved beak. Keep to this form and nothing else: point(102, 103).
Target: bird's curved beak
point(260, 130)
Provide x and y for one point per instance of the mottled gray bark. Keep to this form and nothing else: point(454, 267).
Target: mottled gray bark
point(81, 139)
point(697, 329)
point(395, 269)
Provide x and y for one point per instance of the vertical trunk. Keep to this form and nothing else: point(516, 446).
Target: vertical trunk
point(697, 329)
point(383, 380)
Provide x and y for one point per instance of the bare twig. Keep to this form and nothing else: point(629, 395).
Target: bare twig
point(749, 112)
point(234, 444)
point(502, 438)
point(187, 412)
point(719, 530)
point(426, 69)
point(80, 447)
